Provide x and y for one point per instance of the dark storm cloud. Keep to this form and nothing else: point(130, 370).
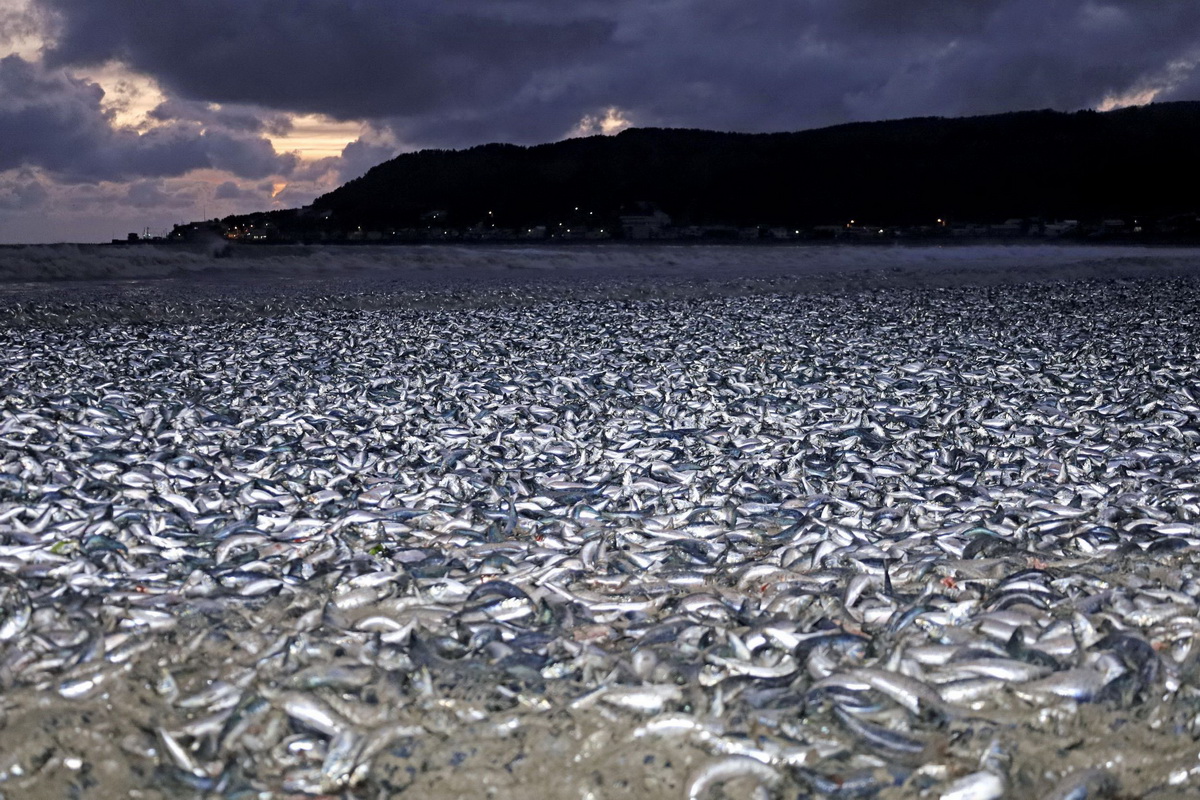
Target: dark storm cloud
point(231, 191)
point(152, 194)
point(359, 156)
point(22, 192)
point(454, 72)
point(355, 159)
point(246, 119)
point(56, 122)
point(349, 60)
point(777, 65)
point(1186, 88)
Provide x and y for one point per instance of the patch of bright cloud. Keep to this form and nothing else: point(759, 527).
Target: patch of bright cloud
point(1133, 97)
point(128, 96)
point(315, 136)
point(22, 28)
point(1148, 90)
point(612, 121)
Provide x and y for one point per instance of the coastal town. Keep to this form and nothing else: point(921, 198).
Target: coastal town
point(647, 222)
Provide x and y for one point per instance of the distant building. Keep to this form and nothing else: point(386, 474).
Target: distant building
point(1064, 228)
point(857, 230)
point(1010, 227)
point(194, 232)
point(648, 225)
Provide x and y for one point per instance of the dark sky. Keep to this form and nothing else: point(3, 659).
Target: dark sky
point(118, 114)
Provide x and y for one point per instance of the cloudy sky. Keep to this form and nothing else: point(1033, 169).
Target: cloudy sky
point(118, 115)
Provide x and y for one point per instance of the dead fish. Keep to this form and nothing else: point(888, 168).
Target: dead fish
point(1085, 784)
point(723, 770)
point(16, 609)
point(811, 520)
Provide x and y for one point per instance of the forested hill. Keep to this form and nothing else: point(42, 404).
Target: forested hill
point(1045, 164)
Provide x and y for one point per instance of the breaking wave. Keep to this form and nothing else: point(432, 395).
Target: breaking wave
point(43, 263)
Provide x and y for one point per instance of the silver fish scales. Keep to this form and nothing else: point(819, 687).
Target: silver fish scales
point(839, 541)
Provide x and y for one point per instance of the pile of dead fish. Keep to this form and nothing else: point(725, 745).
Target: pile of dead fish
point(853, 545)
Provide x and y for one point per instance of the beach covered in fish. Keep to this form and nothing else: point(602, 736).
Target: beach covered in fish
point(599, 522)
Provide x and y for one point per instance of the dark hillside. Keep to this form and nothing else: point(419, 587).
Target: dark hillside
point(1042, 164)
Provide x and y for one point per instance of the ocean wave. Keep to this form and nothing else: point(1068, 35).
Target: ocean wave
point(52, 263)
